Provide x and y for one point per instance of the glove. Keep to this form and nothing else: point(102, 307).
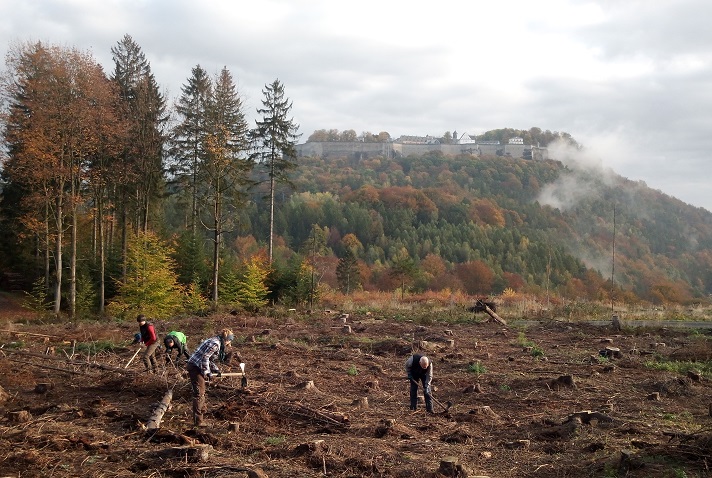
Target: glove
point(137, 339)
point(207, 375)
point(410, 377)
point(218, 373)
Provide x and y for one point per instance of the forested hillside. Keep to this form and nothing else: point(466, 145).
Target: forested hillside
point(111, 199)
point(490, 223)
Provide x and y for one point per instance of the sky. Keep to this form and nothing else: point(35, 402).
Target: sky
point(630, 80)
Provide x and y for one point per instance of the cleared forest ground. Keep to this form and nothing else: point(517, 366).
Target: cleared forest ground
point(327, 396)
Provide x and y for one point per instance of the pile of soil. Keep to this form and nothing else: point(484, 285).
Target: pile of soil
point(327, 396)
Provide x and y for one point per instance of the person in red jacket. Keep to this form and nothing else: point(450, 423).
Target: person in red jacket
point(150, 340)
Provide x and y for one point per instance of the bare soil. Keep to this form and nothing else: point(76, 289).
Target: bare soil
point(70, 407)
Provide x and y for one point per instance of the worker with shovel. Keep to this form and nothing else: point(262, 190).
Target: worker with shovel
point(201, 368)
point(420, 370)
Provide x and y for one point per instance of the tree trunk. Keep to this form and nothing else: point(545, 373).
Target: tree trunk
point(154, 422)
point(58, 256)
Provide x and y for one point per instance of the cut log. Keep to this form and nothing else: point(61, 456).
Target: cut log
point(154, 423)
point(494, 315)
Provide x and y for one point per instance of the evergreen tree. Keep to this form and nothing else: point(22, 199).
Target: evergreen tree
point(189, 135)
point(151, 285)
point(226, 166)
point(141, 165)
point(274, 140)
point(347, 272)
point(252, 291)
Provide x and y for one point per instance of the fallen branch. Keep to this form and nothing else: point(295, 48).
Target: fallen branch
point(48, 367)
point(26, 333)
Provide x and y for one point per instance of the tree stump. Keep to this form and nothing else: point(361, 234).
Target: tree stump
point(41, 388)
point(233, 427)
point(448, 466)
point(20, 416)
point(3, 395)
point(346, 329)
point(361, 402)
point(308, 385)
point(564, 381)
point(191, 454)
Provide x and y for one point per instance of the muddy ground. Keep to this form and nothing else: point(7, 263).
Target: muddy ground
point(535, 400)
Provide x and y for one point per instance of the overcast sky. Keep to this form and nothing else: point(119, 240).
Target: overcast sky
point(629, 79)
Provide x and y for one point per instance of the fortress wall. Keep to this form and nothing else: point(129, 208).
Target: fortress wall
point(361, 150)
point(345, 149)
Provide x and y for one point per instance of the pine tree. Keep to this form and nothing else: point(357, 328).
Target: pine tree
point(274, 139)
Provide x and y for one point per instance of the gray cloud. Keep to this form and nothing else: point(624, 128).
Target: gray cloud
point(630, 80)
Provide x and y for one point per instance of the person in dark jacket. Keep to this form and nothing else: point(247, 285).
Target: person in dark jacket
point(176, 341)
point(419, 369)
point(201, 367)
point(150, 340)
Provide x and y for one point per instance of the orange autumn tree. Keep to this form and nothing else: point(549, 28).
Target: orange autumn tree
point(60, 121)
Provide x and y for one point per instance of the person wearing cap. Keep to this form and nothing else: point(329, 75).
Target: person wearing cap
point(201, 367)
point(150, 340)
point(176, 341)
point(420, 370)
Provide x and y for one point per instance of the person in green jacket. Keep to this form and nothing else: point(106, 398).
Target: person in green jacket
point(176, 341)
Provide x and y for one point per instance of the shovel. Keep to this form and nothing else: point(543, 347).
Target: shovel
point(449, 404)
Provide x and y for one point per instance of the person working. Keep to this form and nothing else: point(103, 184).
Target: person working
point(419, 369)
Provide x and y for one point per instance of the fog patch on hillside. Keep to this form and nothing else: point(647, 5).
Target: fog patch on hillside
point(586, 171)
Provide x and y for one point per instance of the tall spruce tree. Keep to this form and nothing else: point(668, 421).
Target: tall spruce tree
point(226, 168)
point(141, 164)
point(189, 134)
point(274, 140)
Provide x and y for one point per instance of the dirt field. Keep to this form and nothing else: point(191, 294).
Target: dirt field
point(513, 401)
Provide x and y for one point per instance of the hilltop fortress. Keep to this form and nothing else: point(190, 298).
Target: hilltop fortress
point(420, 145)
